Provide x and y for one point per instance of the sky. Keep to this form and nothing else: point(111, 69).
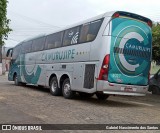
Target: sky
point(30, 18)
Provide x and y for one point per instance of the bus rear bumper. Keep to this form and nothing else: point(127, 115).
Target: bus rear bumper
point(121, 89)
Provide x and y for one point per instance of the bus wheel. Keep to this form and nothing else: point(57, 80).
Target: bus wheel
point(16, 82)
point(55, 91)
point(101, 96)
point(23, 84)
point(85, 95)
point(155, 90)
point(66, 89)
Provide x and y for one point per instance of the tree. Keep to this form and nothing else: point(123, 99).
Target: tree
point(156, 42)
point(4, 22)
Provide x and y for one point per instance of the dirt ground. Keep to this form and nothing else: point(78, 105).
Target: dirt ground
point(34, 105)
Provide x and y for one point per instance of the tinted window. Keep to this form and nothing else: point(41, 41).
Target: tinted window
point(38, 44)
point(26, 47)
point(54, 40)
point(16, 52)
point(89, 31)
point(71, 36)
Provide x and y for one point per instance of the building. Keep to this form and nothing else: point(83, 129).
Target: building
point(4, 61)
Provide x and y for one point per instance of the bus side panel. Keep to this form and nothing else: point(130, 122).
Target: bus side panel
point(40, 64)
point(99, 48)
point(30, 72)
point(84, 77)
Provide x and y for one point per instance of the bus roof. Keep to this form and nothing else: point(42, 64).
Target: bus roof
point(107, 14)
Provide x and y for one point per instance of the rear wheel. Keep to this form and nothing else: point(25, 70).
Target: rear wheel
point(66, 89)
point(85, 95)
point(23, 84)
point(102, 96)
point(156, 90)
point(54, 89)
point(40, 86)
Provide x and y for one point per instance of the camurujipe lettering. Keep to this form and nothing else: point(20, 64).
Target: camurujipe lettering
point(140, 48)
point(59, 55)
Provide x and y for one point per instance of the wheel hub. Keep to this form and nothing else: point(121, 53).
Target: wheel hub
point(67, 89)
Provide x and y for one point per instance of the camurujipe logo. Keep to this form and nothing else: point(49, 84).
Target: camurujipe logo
point(132, 50)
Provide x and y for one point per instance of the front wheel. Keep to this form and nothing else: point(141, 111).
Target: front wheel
point(102, 96)
point(16, 82)
point(66, 89)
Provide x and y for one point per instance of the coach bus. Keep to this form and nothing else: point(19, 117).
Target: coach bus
point(106, 55)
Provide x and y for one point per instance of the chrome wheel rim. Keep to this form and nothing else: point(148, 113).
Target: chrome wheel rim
point(54, 86)
point(67, 89)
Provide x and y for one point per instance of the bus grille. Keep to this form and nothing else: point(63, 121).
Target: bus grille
point(89, 76)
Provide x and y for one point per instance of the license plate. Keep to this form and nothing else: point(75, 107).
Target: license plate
point(128, 89)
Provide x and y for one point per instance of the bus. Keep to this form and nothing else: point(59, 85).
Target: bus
point(109, 54)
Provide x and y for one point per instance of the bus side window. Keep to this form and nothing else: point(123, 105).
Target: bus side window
point(84, 32)
point(90, 30)
point(71, 36)
point(54, 40)
point(26, 47)
point(16, 52)
point(38, 44)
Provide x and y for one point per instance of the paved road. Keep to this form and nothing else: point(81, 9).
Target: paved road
point(27, 104)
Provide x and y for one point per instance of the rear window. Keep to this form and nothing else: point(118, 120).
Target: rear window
point(127, 24)
point(89, 31)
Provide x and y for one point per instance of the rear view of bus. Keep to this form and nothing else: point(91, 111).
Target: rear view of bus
point(125, 69)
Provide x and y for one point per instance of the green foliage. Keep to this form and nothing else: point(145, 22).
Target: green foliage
point(4, 22)
point(156, 42)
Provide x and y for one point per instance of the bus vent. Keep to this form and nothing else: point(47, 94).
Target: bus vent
point(89, 76)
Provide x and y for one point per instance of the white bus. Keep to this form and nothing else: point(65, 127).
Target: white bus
point(106, 55)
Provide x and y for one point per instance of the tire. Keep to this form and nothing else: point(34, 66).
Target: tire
point(54, 89)
point(101, 96)
point(66, 89)
point(156, 90)
point(16, 82)
point(40, 86)
point(85, 95)
point(23, 84)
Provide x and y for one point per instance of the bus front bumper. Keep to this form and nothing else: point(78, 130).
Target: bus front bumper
point(121, 89)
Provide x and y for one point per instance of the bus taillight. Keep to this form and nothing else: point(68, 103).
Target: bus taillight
point(116, 15)
point(149, 23)
point(104, 69)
